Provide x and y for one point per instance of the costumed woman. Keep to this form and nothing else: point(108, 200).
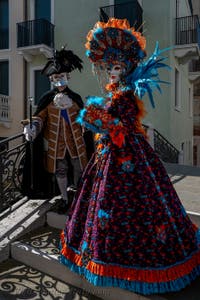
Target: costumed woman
point(127, 227)
point(63, 146)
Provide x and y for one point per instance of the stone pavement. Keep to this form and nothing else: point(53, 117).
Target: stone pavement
point(186, 181)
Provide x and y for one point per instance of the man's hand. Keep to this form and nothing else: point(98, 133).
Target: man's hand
point(30, 132)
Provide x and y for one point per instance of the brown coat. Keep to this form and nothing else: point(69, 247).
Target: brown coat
point(61, 136)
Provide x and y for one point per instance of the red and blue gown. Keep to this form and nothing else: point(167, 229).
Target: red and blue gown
point(127, 227)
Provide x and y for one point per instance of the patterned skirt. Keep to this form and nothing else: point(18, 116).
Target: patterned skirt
point(127, 227)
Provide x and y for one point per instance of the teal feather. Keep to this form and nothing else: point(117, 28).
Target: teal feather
point(145, 78)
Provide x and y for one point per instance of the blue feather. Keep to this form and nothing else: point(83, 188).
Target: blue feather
point(94, 100)
point(145, 78)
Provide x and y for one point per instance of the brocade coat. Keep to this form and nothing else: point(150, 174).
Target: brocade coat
point(61, 136)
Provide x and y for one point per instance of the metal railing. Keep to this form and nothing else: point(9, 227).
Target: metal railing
point(4, 108)
point(35, 32)
point(12, 159)
point(188, 30)
point(165, 150)
point(131, 11)
point(12, 153)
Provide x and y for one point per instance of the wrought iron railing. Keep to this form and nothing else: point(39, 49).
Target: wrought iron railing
point(131, 11)
point(188, 30)
point(4, 38)
point(35, 32)
point(4, 108)
point(165, 150)
point(12, 158)
point(12, 153)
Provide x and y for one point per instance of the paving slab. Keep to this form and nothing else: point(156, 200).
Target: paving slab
point(186, 181)
point(19, 281)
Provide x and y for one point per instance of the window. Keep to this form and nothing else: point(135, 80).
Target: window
point(130, 10)
point(4, 32)
point(43, 9)
point(42, 85)
point(177, 90)
point(4, 78)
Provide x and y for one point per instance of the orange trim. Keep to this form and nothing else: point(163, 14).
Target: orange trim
point(125, 273)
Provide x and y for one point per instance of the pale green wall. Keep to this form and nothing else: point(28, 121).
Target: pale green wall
point(181, 123)
point(73, 20)
point(176, 126)
point(156, 28)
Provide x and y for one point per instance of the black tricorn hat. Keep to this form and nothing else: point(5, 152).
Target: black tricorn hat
point(62, 61)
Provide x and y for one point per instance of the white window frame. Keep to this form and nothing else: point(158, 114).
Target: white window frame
point(177, 88)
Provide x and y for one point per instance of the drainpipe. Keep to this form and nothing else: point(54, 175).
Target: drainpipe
point(25, 65)
point(25, 89)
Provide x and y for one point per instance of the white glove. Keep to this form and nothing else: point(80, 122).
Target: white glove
point(30, 133)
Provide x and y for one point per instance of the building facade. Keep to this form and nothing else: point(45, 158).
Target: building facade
point(195, 77)
point(45, 24)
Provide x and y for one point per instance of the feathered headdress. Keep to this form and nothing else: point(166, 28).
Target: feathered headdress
point(115, 42)
point(62, 61)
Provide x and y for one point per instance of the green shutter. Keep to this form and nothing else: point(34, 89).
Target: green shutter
point(42, 85)
point(4, 78)
point(4, 24)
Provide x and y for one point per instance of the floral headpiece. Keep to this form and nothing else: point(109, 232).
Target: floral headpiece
point(115, 42)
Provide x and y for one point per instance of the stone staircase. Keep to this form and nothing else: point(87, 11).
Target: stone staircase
point(29, 241)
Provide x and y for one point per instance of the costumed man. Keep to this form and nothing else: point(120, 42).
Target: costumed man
point(55, 120)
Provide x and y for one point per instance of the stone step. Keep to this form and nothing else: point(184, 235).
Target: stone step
point(39, 250)
point(58, 221)
point(20, 281)
point(29, 215)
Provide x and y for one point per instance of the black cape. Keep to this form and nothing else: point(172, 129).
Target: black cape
point(43, 183)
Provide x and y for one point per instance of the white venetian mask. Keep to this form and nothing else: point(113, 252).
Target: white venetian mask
point(60, 79)
point(115, 73)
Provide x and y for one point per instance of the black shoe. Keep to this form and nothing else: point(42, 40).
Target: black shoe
point(63, 208)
